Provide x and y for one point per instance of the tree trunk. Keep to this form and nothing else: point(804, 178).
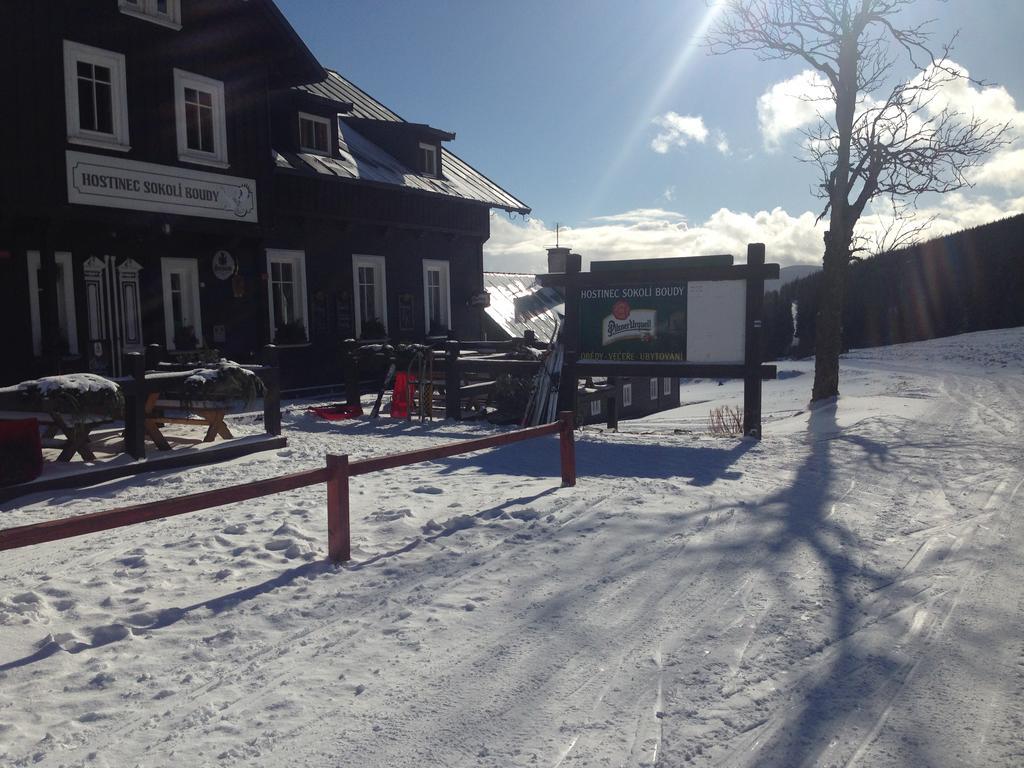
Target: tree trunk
point(828, 335)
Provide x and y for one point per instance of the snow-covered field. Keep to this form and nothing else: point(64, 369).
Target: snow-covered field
point(848, 591)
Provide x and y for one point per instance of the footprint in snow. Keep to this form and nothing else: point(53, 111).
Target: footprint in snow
point(388, 515)
point(431, 489)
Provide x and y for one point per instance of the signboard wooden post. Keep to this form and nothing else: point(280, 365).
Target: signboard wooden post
point(690, 317)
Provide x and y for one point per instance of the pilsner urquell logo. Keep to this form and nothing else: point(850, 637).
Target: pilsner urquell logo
point(625, 323)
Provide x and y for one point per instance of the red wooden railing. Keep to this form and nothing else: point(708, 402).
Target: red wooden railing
point(336, 474)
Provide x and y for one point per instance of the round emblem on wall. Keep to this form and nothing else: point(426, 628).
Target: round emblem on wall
point(621, 309)
point(223, 265)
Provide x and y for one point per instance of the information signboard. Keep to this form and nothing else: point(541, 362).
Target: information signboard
point(641, 323)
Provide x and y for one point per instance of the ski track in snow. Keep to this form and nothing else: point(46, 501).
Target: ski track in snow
point(847, 592)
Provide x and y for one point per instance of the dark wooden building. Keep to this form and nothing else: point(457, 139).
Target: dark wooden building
point(175, 172)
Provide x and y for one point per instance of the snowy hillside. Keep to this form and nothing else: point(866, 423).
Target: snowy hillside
point(846, 592)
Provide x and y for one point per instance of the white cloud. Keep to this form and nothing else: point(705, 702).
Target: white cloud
point(658, 233)
point(670, 193)
point(1005, 169)
point(795, 104)
point(655, 233)
point(722, 143)
point(677, 131)
point(791, 105)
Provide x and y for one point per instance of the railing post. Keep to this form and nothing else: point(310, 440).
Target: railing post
point(350, 357)
point(613, 411)
point(154, 356)
point(752, 354)
point(135, 407)
point(339, 536)
point(272, 396)
point(452, 381)
point(567, 449)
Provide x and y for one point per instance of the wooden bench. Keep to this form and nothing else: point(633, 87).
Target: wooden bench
point(203, 413)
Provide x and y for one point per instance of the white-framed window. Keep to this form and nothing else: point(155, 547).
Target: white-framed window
point(95, 97)
point(370, 291)
point(654, 389)
point(67, 325)
point(437, 305)
point(595, 407)
point(183, 322)
point(314, 134)
point(627, 394)
point(200, 119)
point(428, 159)
point(164, 12)
point(666, 385)
point(286, 288)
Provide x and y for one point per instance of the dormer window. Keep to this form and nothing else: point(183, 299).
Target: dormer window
point(314, 134)
point(428, 159)
point(164, 12)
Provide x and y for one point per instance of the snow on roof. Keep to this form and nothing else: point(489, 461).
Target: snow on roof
point(362, 160)
point(519, 303)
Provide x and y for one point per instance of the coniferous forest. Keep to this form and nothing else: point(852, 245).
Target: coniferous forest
point(971, 280)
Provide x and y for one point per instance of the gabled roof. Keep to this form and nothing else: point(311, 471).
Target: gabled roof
point(364, 161)
point(294, 60)
point(520, 303)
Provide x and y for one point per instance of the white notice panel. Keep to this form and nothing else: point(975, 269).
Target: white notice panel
point(716, 313)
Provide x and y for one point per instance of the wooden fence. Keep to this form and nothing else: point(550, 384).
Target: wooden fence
point(463, 377)
point(336, 474)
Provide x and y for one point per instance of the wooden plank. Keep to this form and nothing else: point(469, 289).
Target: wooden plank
point(643, 276)
point(480, 387)
point(681, 370)
point(53, 530)
point(492, 366)
point(365, 466)
point(177, 460)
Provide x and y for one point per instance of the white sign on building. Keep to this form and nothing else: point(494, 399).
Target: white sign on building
point(113, 182)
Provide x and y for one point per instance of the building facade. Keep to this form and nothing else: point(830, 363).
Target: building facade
point(186, 173)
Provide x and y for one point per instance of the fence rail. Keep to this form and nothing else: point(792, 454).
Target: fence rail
point(336, 475)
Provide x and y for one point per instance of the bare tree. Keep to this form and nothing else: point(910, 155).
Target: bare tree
point(880, 135)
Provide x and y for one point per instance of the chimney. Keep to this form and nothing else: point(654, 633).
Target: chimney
point(556, 259)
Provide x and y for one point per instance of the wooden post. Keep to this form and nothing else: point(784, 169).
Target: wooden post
point(154, 356)
point(135, 406)
point(752, 356)
point(272, 397)
point(567, 383)
point(339, 535)
point(452, 381)
point(613, 411)
point(48, 313)
point(351, 361)
point(567, 449)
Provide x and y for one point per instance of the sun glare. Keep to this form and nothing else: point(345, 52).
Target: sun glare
point(689, 47)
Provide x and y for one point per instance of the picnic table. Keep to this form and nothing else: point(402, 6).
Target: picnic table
point(77, 430)
point(162, 409)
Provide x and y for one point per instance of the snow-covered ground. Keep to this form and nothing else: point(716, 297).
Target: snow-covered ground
point(848, 591)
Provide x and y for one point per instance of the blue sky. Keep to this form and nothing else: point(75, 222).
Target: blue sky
point(610, 118)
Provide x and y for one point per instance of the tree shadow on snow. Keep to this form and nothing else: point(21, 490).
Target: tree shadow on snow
point(703, 465)
point(854, 685)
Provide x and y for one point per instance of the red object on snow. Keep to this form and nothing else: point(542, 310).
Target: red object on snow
point(21, 451)
point(338, 412)
point(400, 397)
